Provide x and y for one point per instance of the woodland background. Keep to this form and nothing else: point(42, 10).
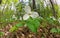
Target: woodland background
point(45, 25)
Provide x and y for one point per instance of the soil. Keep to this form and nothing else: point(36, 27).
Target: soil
point(24, 32)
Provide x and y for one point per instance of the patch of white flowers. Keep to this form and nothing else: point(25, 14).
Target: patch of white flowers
point(29, 13)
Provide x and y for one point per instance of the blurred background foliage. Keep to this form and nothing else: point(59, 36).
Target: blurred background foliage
point(48, 11)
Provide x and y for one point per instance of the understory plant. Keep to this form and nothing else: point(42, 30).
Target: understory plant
point(19, 12)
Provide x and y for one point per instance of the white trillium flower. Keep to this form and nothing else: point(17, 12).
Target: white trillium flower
point(20, 18)
point(14, 17)
point(13, 7)
point(29, 13)
point(59, 20)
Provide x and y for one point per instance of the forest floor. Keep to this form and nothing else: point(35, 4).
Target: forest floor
point(24, 32)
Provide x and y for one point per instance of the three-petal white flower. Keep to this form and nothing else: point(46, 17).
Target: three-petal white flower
point(29, 13)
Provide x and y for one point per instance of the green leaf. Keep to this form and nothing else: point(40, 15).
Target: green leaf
point(36, 23)
point(19, 24)
point(14, 28)
point(50, 20)
point(32, 27)
point(53, 30)
point(9, 1)
point(58, 29)
point(33, 24)
point(1, 33)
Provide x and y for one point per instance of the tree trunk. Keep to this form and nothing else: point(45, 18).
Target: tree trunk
point(34, 5)
point(0, 1)
point(54, 12)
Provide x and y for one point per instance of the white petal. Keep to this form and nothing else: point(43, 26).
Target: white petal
point(25, 17)
point(34, 15)
point(27, 9)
